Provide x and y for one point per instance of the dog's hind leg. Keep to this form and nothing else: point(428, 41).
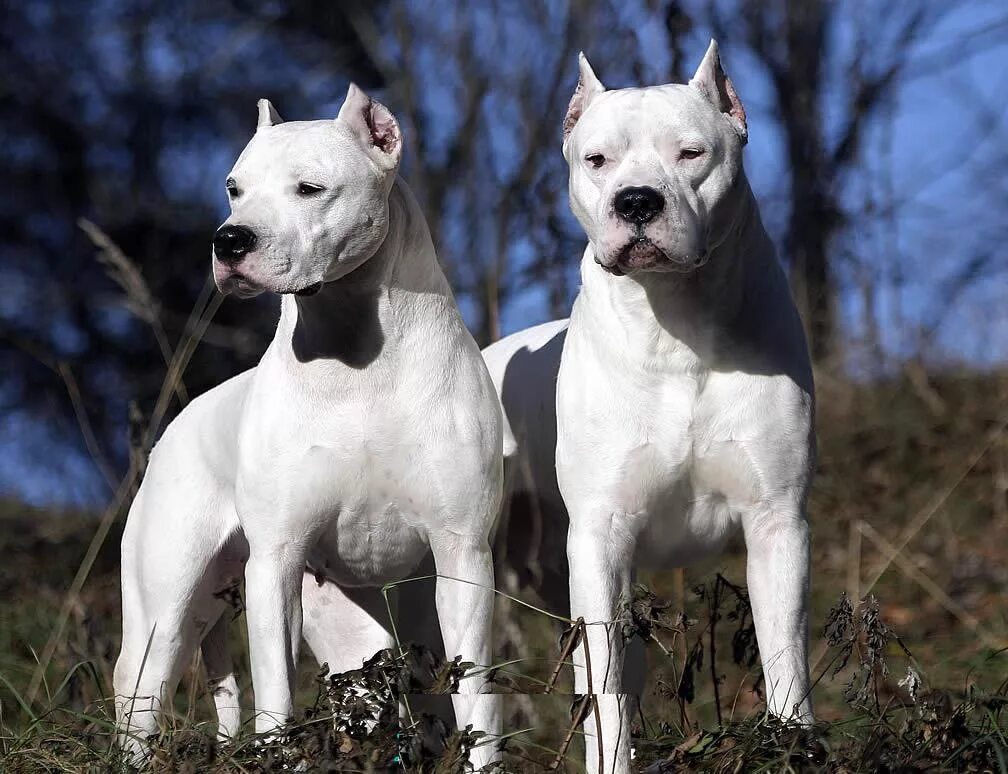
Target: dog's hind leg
point(154, 643)
point(171, 569)
point(156, 649)
point(343, 626)
point(180, 547)
point(221, 678)
point(160, 636)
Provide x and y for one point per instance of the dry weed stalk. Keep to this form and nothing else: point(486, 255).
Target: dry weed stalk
point(203, 311)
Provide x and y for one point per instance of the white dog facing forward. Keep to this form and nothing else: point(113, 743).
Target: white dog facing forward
point(681, 385)
point(368, 437)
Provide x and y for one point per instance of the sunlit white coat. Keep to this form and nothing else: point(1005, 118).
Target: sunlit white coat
point(682, 388)
point(367, 438)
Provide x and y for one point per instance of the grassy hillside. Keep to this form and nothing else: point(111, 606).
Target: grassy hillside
point(909, 512)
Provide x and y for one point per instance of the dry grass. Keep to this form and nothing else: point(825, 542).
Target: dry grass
point(895, 719)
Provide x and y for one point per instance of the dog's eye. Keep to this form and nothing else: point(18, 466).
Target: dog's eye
point(231, 186)
point(595, 159)
point(309, 189)
point(691, 153)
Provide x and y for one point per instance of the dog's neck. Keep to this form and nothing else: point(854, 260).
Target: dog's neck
point(706, 318)
point(352, 320)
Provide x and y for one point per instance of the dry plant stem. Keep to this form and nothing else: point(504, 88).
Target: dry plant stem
point(670, 653)
point(399, 648)
point(591, 693)
point(580, 716)
point(924, 516)
point(90, 440)
point(498, 592)
point(930, 586)
point(738, 693)
point(78, 582)
point(197, 326)
point(565, 655)
point(202, 317)
point(138, 295)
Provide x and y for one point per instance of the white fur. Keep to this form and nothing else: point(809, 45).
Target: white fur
point(683, 395)
point(367, 438)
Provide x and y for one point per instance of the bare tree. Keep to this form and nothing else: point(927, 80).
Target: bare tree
point(795, 40)
point(482, 89)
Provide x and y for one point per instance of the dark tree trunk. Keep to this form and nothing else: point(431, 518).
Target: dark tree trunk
point(798, 81)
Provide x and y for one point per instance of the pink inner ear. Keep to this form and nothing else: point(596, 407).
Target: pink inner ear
point(735, 109)
point(384, 133)
point(574, 109)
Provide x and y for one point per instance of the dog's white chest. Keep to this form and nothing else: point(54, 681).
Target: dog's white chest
point(375, 500)
point(355, 479)
point(683, 480)
point(689, 496)
point(671, 457)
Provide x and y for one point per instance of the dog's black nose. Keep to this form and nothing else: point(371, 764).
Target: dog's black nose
point(638, 204)
point(231, 243)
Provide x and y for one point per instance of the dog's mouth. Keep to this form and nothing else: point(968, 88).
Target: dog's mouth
point(239, 285)
point(642, 254)
point(244, 287)
point(639, 254)
point(309, 290)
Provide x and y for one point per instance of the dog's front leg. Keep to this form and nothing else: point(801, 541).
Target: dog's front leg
point(777, 544)
point(600, 552)
point(273, 609)
point(465, 598)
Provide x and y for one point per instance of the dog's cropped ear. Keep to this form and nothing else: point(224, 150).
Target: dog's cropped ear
point(711, 81)
point(588, 87)
point(268, 115)
point(375, 125)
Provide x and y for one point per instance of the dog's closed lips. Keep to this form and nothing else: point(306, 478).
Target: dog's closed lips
point(310, 290)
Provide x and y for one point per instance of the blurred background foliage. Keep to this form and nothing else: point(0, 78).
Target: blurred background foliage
point(878, 152)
